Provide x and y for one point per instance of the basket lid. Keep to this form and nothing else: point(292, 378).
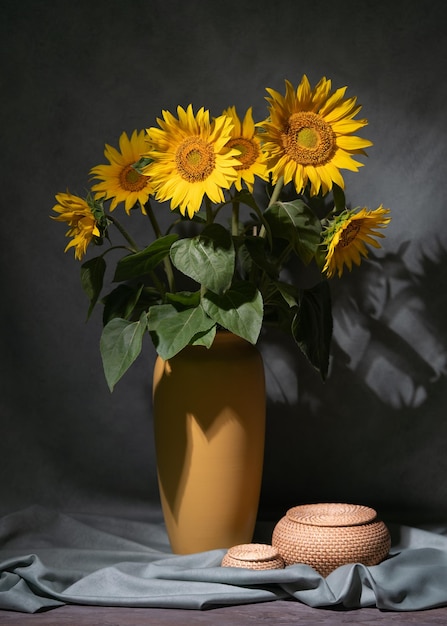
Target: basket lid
point(332, 514)
point(253, 552)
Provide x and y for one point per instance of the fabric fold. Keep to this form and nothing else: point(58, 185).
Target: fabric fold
point(48, 559)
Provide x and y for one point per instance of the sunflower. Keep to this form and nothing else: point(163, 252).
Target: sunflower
point(77, 213)
point(347, 235)
point(120, 180)
point(245, 139)
point(190, 158)
point(309, 135)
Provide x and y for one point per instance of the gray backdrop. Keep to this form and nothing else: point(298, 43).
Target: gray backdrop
point(74, 76)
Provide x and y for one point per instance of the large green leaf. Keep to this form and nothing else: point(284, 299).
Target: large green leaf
point(298, 224)
point(172, 330)
point(121, 302)
point(140, 263)
point(92, 278)
point(312, 326)
point(120, 344)
point(208, 258)
point(239, 310)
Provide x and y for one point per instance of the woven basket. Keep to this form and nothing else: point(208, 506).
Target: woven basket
point(326, 536)
point(253, 556)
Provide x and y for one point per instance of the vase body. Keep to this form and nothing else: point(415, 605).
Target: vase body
point(209, 429)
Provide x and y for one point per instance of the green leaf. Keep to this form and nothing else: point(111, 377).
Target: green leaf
point(199, 216)
point(121, 302)
point(208, 258)
point(289, 292)
point(141, 164)
point(312, 326)
point(92, 279)
point(256, 248)
point(245, 197)
point(239, 310)
point(204, 339)
point(183, 299)
point(172, 330)
point(120, 344)
point(280, 304)
point(298, 224)
point(140, 263)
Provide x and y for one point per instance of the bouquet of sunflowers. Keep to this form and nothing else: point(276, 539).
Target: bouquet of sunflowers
point(251, 204)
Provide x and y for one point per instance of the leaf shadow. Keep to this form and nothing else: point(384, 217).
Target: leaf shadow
point(375, 431)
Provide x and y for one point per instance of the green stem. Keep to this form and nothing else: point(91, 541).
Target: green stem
point(277, 190)
point(209, 211)
point(275, 195)
point(153, 220)
point(166, 261)
point(115, 248)
point(124, 233)
point(169, 274)
point(158, 283)
point(235, 219)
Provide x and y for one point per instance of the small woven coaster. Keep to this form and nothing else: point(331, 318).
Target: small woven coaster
point(253, 556)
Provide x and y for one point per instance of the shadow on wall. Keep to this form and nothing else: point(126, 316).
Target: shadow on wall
point(375, 432)
point(390, 327)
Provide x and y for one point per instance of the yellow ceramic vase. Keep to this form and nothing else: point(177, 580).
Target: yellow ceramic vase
point(209, 426)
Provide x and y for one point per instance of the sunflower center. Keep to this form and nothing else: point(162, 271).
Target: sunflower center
point(195, 159)
point(249, 152)
point(308, 139)
point(349, 234)
point(131, 180)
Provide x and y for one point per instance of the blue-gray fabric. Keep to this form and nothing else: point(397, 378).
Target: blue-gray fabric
point(48, 559)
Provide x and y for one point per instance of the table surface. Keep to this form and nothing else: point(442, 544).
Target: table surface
point(277, 613)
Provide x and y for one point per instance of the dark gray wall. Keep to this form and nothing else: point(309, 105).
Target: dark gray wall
point(74, 76)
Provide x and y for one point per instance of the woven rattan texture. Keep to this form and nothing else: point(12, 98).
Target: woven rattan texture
point(332, 514)
point(327, 547)
point(253, 556)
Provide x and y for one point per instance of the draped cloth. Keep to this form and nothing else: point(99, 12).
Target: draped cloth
point(48, 559)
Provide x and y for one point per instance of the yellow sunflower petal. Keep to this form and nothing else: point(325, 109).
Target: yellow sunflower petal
point(119, 180)
point(308, 136)
point(192, 152)
point(245, 142)
point(78, 215)
point(347, 236)
point(351, 143)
